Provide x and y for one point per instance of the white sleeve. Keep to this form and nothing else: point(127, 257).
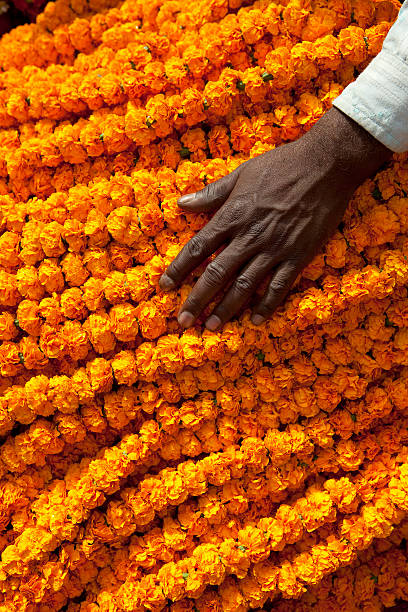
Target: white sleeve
point(378, 98)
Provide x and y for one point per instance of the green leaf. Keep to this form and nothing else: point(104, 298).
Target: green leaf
point(260, 356)
point(184, 153)
point(267, 76)
point(185, 575)
point(353, 417)
point(240, 85)
point(243, 548)
point(377, 194)
point(21, 357)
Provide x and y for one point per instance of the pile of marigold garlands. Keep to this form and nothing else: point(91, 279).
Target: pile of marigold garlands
point(147, 467)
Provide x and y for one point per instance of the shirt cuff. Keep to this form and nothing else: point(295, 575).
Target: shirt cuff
point(378, 100)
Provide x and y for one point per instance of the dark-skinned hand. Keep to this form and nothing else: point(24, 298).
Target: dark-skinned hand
point(272, 215)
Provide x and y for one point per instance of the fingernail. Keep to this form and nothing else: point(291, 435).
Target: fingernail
point(257, 319)
point(186, 199)
point(166, 283)
point(186, 319)
point(213, 322)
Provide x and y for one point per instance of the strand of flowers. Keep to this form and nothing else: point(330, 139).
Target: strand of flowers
point(308, 347)
point(377, 579)
point(376, 519)
point(60, 12)
point(211, 564)
point(119, 408)
point(254, 25)
point(142, 48)
point(43, 47)
point(86, 493)
point(188, 177)
point(34, 400)
point(319, 564)
point(376, 405)
point(47, 180)
point(297, 370)
point(230, 334)
point(118, 565)
point(225, 592)
point(68, 91)
point(276, 486)
point(342, 493)
point(121, 127)
point(200, 418)
point(307, 510)
point(27, 280)
point(352, 468)
point(171, 154)
point(43, 395)
point(53, 234)
point(31, 292)
point(18, 491)
point(45, 437)
point(310, 110)
point(84, 35)
point(25, 284)
point(64, 176)
point(199, 518)
point(187, 428)
point(49, 231)
point(277, 60)
point(351, 460)
point(166, 152)
point(191, 340)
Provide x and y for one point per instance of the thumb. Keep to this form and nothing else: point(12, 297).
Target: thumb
point(211, 197)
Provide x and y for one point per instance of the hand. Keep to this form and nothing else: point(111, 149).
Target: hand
point(273, 213)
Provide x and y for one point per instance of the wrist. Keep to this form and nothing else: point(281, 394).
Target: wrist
point(341, 145)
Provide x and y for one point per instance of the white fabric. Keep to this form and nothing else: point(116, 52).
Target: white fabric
point(378, 98)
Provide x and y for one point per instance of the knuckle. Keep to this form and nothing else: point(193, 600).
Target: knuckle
point(210, 191)
point(215, 273)
point(279, 286)
point(243, 284)
point(195, 247)
point(255, 230)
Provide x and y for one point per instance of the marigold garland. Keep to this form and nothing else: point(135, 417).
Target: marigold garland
point(147, 467)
